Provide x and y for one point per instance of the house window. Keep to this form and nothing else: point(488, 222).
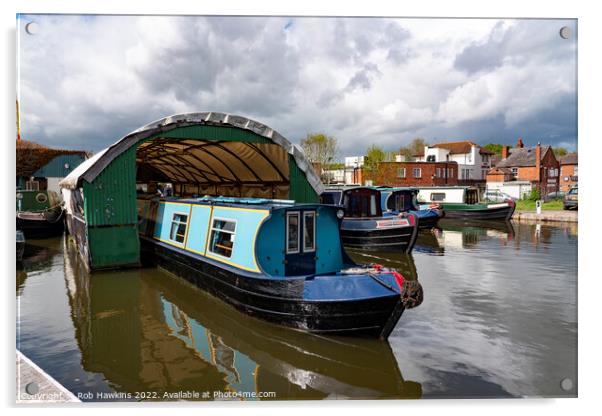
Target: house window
point(514, 172)
point(292, 232)
point(309, 231)
point(575, 171)
point(450, 172)
point(430, 158)
point(179, 223)
point(222, 237)
point(417, 172)
point(401, 172)
point(437, 196)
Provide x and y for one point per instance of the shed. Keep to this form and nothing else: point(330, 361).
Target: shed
point(205, 153)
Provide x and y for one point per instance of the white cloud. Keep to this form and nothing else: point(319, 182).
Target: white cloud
point(86, 81)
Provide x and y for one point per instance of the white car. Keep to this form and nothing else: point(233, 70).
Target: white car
point(496, 196)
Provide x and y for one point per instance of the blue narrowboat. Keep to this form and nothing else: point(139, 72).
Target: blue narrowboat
point(397, 200)
point(277, 260)
point(366, 225)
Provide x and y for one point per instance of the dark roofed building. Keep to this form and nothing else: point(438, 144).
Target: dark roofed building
point(536, 164)
point(45, 165)
point(568, 171)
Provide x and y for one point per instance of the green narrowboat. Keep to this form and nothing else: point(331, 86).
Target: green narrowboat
point(463, 202)
point(39, 213)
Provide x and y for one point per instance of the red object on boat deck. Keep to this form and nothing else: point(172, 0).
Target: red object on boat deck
point(399, 279)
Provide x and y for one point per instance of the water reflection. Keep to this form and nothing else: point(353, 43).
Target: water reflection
point(146, 330)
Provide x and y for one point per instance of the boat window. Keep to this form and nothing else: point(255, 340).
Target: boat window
point(222, 237)
point(309, 231)
point(292, 232)
point(438, 196)
point(178, 228)
point(41, 198)
point(362, 203)
point(330, 198)
point(472, 196)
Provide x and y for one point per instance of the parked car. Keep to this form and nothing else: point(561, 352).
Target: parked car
point(495, 195)
point(571, 198)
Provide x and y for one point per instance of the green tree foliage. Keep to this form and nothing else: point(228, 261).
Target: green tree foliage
point(416, 146)
point(494, 147)
point(560, 151)
point(374, 156)
point(320, 149)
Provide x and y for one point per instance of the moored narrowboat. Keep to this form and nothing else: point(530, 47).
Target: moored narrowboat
point(463, 202)
point(39, 213)
point(20, 245)
point(397, 200)
point(273, 259)
point(366, 225)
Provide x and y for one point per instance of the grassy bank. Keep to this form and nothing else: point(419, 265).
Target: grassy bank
point(528, 205)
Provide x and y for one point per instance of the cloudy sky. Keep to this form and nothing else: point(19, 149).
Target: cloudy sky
point(86, 81)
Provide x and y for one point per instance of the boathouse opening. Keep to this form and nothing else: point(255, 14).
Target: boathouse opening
point(199, 154)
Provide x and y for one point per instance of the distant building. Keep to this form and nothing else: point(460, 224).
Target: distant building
point(535, 165)
point(353, 170)
point(415, 174)
point(473, 161)
point(41, 167)
point(568, 171)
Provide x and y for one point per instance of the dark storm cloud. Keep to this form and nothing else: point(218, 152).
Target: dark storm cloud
point(87, 81)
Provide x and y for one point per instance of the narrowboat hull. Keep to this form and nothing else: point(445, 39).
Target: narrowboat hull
point(41, 224)
point(502, 211)
point(428, 218)
point(281, 301)
point(20, 245)
point(368, 234)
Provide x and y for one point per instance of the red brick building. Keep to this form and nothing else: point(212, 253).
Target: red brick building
point(568, 171)
point(537, 165)
point(414, 174)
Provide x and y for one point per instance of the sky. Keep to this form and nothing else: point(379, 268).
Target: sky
point(86, 81)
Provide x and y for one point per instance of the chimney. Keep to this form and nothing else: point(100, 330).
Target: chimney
point(505, 152)
point(520, 143)
point(538, 161)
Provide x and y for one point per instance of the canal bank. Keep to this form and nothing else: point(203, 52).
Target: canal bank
point(34, 385)
point(546, 216)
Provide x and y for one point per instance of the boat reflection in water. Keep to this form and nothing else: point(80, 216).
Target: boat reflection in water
point(146, 330)
point(458, 234)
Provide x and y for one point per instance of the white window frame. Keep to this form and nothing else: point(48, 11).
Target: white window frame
point(311, 214)
point(514, 172)
point(419, 172)
point(232, 233)
point(401, 170)
point(179, 222)
point(288, 215)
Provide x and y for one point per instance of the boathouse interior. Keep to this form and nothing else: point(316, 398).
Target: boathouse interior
point(214, 167)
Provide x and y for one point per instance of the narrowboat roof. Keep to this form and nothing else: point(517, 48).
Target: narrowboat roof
point(254, 203)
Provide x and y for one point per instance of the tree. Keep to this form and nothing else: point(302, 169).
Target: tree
point(494, 147)
point(374, 156)
point(320, 149)
point(560, 151)
point(415, 147)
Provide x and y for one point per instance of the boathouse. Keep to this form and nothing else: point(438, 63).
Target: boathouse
point(198, 154)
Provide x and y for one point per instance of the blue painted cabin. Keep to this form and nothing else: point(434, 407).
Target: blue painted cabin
point(397, 200)
point(274, 259)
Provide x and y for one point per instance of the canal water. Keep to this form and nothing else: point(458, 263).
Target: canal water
point(499, 319)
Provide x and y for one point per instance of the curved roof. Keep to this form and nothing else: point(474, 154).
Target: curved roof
point(175, 157)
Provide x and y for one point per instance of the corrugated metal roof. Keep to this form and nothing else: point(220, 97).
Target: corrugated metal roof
point(229, 165)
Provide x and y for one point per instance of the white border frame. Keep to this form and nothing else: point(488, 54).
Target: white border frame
point(288, 215)
point(233, 233)
point(311, 213)
point(183, 243)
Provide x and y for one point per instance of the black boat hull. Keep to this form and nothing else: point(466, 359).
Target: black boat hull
point(41, 225)
point(275, 302)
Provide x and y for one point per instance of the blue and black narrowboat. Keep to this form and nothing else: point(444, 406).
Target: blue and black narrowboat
point(273, 259)
point(366, 225)
point(397, 200)
point(39, 213)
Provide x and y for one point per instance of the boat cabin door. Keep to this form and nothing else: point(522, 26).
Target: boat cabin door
point(300, 242)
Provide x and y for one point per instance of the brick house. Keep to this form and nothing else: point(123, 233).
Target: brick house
point(568, 171)
point(473, 161)
point(414, 174)
point(536, 165)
